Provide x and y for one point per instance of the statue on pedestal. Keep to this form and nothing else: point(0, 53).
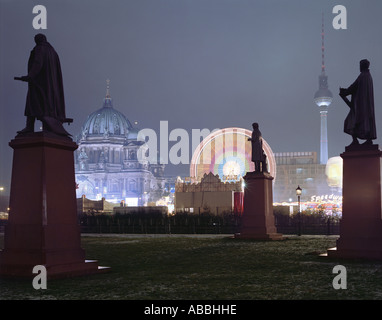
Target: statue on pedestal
point(45, 99)
point(360, 122)
point(258, 155)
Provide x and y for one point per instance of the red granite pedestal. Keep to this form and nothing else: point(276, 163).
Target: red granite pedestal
point(361, 225)
point(43, 227)
point(258, 221)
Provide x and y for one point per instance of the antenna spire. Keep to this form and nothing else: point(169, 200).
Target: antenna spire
point(108, 89)
point(323, 44)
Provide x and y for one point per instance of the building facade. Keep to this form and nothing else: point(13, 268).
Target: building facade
point(209, 195)
point(301, 169)
point(108, 163)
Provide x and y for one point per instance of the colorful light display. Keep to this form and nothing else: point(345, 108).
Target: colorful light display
point(227, 152)
point(333, 172)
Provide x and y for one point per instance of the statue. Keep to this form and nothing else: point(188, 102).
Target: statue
point(360, 122)
point(45, 98)
point(258, 155)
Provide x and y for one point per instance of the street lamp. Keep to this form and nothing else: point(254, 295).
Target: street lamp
point(298, 194)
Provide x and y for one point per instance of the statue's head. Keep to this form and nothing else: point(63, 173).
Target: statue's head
point(364, 65)
point(39, 38)
point(255, 125)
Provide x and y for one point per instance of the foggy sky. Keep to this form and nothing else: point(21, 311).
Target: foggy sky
point(195, 63)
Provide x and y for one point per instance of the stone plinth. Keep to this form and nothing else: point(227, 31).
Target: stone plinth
point(43, 227)
point(258, 220)
point(361, 225)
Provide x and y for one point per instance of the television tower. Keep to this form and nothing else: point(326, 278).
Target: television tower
point(323, 98)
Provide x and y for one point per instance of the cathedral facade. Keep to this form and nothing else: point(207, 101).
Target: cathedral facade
point(108, 163)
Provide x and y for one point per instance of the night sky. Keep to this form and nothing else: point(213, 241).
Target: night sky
point(196, 64)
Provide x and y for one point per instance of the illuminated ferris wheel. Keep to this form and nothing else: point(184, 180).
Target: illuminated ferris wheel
point(227, 152)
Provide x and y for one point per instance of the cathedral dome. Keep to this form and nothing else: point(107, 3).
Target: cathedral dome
point(106, 121)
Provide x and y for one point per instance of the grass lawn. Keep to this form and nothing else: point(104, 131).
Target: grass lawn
point(176, 267)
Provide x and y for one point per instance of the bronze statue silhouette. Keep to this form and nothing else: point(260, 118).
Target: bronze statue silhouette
point(45, 98)
point(258, 155)
point(360, 122)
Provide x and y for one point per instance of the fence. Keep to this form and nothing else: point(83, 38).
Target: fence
point(200, 224)
point(314, 225)
point(205, 223)
point(180, 223)
point(3, 223)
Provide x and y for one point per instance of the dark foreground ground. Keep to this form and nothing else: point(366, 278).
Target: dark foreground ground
point(207, 267)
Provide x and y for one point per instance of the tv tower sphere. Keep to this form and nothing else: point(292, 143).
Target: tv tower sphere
point(323, 96)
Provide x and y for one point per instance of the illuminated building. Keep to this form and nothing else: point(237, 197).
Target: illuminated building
point(209, 195)
point(323, 98)
point(298, 169)
point(333, 171)
point(85, 205)
point(106, 161)
point(318, 181)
